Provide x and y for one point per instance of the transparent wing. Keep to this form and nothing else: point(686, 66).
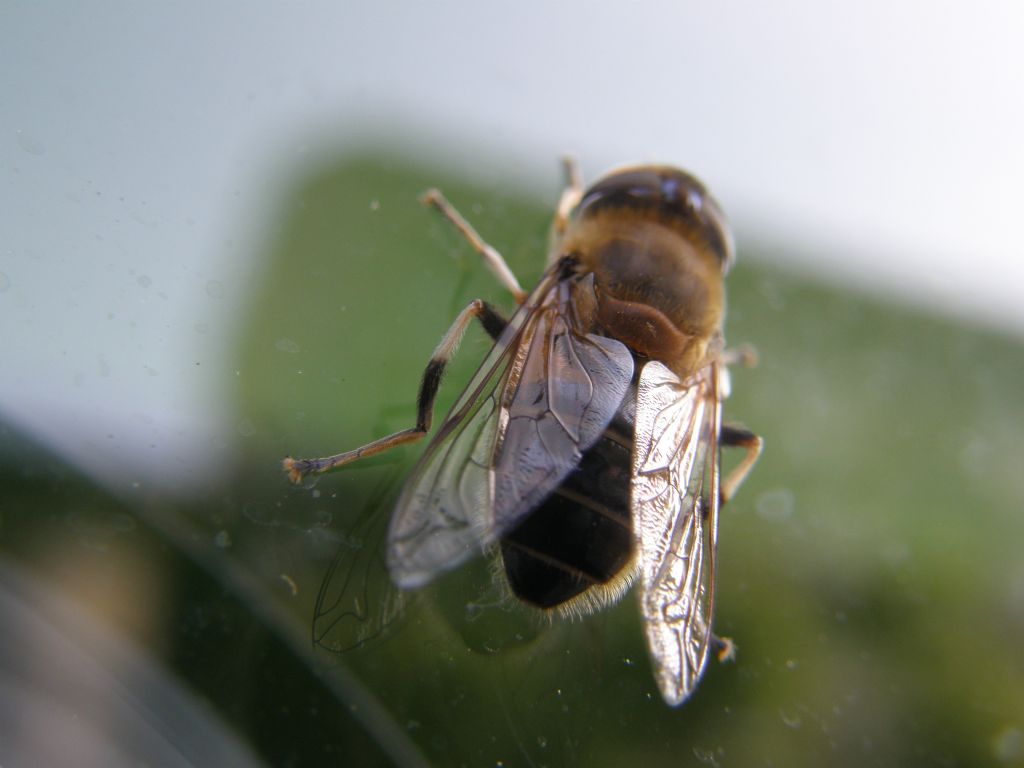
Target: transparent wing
point(674, 499)
point(357, 601)
point(543, 396)
point(558, 404)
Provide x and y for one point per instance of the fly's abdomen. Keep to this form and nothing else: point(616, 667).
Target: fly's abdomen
point(580, 536)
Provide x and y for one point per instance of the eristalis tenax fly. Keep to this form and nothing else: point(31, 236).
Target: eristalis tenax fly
point(585, 452)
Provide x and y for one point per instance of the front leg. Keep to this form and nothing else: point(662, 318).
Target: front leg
point(571, 195)
point(494, 260)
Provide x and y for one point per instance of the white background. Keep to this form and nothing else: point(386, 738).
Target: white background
point(877, 143)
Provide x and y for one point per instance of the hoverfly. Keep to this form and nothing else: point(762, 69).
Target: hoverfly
point(585, 451)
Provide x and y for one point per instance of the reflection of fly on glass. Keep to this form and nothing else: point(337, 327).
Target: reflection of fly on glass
point(585, 450)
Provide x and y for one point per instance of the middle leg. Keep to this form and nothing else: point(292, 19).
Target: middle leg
point(492, 322)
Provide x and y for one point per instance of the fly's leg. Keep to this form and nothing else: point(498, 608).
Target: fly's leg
point(491, 257)
point(492, 322)
point(571, 195)
point(738, 437)
point(735, 437)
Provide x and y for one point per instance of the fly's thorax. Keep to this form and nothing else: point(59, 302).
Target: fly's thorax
point(653, 288)
point(658, 247)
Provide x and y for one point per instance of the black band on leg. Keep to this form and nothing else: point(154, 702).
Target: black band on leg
point(734, 436)
point(491, 320)
point(428, 391)
point(493, 323)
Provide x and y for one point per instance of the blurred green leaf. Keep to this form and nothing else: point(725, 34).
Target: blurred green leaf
point(870, 569)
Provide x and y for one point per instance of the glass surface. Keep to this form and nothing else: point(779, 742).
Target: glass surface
point(870, 569)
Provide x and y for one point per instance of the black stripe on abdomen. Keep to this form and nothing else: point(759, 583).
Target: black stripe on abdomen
point(581, 535)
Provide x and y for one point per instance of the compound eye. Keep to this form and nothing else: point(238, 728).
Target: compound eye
point(634, 188)
point(716, 229)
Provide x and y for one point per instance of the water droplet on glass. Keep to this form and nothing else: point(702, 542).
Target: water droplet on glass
point(790, 719)
point(30, 144)
point(222, 540)
point(290, 582)
point(286, 345)
point(214, 289)
point(705, 756)
point(776, 505)
point(144, 280)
